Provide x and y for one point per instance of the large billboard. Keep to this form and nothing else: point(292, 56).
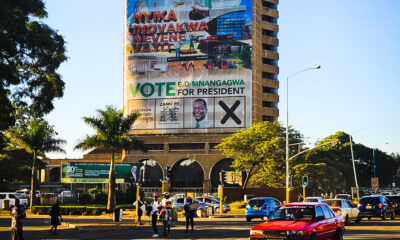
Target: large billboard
point(78, 172)
point(187, 65)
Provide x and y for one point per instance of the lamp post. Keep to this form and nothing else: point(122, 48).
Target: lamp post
point(287, 127)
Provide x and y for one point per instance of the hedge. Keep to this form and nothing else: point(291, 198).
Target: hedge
point(70, 210)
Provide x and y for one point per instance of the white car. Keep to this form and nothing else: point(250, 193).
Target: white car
point(346, 208)
point(313, 199)
point(11, 197)
point(27, 192)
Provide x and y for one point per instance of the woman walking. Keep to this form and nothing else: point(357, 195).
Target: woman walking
point(55, 214)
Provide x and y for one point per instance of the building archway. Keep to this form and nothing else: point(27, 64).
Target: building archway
point(154, 173)
point(187, 173)
point(223, 164)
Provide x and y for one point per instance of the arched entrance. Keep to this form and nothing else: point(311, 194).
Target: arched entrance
point(224, 164)
point(154, 174)
point(187, 174)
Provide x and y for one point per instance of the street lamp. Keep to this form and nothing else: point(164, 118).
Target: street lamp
point(373, 155)
point(287, 127)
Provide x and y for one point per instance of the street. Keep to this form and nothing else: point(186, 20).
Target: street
point(219, 228)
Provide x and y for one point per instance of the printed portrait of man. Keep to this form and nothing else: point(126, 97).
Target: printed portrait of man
point(131, 176)
point(200, 113)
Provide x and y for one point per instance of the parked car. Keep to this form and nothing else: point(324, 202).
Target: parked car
point(260, 207)
point(300, 221)
point(395, 201)
point(214, 202)
point(375, 206)
point(27, 192)
point(343, 196)
point(344, 207)
point(65, 194)
point(179, 203)
point(313, 199)
point(11, 197)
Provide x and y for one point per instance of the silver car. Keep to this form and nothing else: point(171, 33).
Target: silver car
point(346, 208)
point(214, 202)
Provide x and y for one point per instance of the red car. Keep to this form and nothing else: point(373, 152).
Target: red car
point(300, 221)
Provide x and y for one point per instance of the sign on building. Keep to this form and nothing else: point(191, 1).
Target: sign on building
point(77, 172)
point(187, 65)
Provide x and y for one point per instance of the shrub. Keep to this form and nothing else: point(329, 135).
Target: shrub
point(101, 198)
point(85, 198)
point(238, 204)
point(42, 210)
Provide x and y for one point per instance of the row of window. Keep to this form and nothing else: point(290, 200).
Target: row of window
point(179, 146)
point(270, 5)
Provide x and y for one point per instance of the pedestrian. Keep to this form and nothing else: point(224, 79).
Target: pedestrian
point(17, 214)
point(166, 214)
point(55, 214)
point(155, 209)
point(300, 198)
point(189, 213)
point(139, 205)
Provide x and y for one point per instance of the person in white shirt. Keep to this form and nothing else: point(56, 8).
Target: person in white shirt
point(155, 208)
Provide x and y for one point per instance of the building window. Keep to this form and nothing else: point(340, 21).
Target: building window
point(270, 19)
point(186, 146)
point(269, 75)
point(270, 61)
point(270, 90)
point(269, 104)
point(269, 5)
point(269, 33)
point(156, 147)
point(212, 146)
point(269, 47)
point(268, 118)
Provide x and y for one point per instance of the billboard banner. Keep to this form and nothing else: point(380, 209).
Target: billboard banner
point(77, 172)
point(187, 65)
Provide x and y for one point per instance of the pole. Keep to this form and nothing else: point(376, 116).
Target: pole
point(287, 141)
point(220, 195)
point(354, 167)
point(373, 159)
point(304, 192)
point(137, 201)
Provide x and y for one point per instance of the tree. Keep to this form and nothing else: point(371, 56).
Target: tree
point(37, 139)
point(258, 150)
point(111, 134)
point(30, 54)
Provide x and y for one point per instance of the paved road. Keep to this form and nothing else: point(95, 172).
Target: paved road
point(232, 228)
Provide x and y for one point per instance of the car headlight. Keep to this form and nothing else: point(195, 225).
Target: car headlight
point(256, 232)
point(293, 232)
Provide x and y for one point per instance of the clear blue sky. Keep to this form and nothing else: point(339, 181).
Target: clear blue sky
point(356, 42)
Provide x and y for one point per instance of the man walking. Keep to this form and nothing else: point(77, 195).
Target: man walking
point(17, 214)
point(155, 208)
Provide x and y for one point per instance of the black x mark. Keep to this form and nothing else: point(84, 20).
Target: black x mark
point(229, 112)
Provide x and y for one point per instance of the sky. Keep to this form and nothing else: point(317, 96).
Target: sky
point(355, 42)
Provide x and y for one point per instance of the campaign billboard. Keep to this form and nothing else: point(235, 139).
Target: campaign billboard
point(187, 65)
point(79, 172)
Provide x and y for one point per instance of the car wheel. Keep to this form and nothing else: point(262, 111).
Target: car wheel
point(358, 220)
point(313, 236)
point(248, 219)
point(346, 221)
point(393, 216)
point(384, 216)
point(338, 235)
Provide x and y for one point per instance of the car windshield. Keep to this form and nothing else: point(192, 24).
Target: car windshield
point(371, 200)
point(293, 213)
point(19, 195)
point(333, 203)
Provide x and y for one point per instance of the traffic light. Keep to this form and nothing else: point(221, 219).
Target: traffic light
point(167, 172)
point(305, 181)
point(222, 177)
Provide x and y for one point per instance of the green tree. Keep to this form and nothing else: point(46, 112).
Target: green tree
point(258, 151)
point(30, 54)
point(37, 138)
point(111, 134)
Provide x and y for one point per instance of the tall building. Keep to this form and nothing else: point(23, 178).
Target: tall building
point(197, 71)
